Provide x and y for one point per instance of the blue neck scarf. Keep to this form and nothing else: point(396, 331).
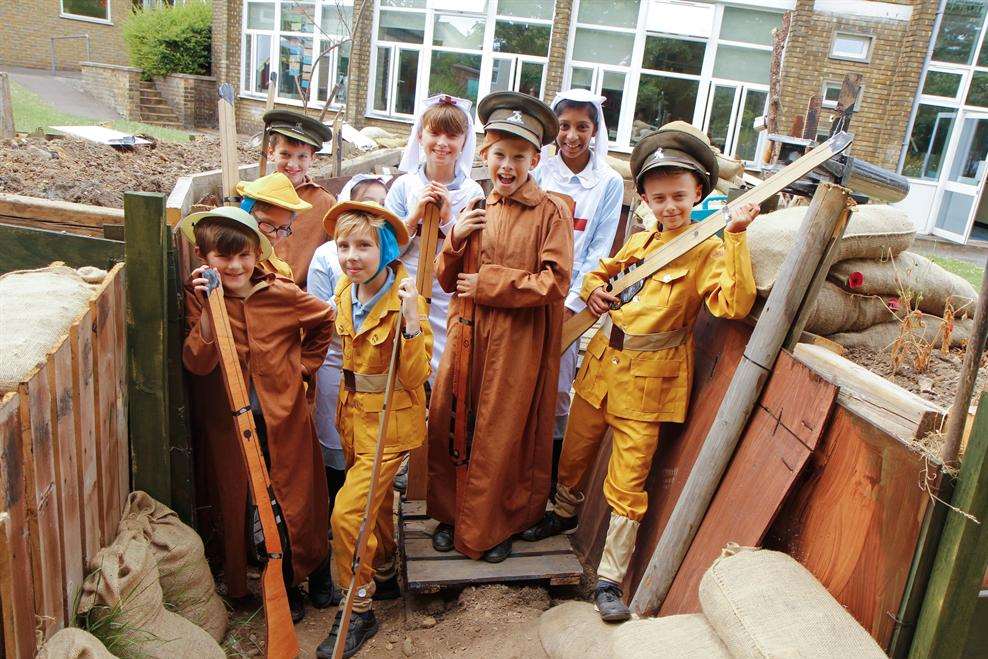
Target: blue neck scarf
point(247, 204)
point(389, 247)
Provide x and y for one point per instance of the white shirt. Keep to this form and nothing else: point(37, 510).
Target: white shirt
point(324, 274)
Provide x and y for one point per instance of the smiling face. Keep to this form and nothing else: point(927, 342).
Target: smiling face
point(235, 269)
point(441, 149)
point(509, 160)
point(576, 129)
point(291, 157)
point(671, 196)
point(273, 221)
point(359, 252)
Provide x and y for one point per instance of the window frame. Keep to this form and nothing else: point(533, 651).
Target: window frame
point(87, 19)
point(846, 57)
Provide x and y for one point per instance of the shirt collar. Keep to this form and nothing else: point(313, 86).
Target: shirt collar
point(588, 178)
point(458, 177)
point(529, 194)
point(362, 309)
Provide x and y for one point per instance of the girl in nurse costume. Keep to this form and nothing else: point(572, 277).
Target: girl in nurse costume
point(437, 162)
point(579, 169)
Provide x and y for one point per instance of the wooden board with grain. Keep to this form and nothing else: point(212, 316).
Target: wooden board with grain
point(122, 439)
point(426, 570)
point(784, 429)
point(84, 400)
point(106, 382)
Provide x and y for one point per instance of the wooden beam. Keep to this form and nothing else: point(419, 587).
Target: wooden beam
point(959, 566)
point(64, 214)
point(7, 130)
point(147, 314)
point(23, 248)
point(180, 440)
point(812, 118)
point(749, 379)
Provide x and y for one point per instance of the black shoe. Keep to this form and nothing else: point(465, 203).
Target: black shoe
point(296, 603)
point(551, 524)
point(498, 553)
point(608, 602)
point(442, 538)
point(387, 589)
point(362, 627)
point(321, 592)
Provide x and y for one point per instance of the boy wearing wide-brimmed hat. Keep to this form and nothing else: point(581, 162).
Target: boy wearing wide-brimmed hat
point(638, 368)
point(273, 202)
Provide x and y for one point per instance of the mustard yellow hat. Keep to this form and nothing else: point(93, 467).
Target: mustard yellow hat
point(230, 213)
point(275, 189)
point(400, 231)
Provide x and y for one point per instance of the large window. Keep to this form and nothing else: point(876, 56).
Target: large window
point(657, 61)
point(466, 48)
point(93, 10)
point(304, 42)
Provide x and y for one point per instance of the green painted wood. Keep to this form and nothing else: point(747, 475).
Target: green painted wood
point(24, 248)
point(147, 317)
point(180, 439)
point(959, 567)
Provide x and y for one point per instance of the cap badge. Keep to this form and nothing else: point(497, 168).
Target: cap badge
point(298, 125)
point(515, 117)
point(658, 155)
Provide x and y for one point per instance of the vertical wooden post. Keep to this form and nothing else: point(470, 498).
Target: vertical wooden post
point(7, 130)
point(146, 252)
point(777, 317)
point(959, 566)
point(183, 481)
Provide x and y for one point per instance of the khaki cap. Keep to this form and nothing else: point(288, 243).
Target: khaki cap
point(519, 114)
point(298, 126)
point(231, 214)
point(672, 147)
point(371, 208)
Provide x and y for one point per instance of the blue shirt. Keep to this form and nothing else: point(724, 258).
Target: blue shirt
point(360, 309)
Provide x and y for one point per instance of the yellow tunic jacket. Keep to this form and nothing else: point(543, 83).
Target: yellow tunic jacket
point(369, 352)
point(655, 386)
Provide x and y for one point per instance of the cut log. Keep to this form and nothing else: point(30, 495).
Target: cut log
point(899, 412)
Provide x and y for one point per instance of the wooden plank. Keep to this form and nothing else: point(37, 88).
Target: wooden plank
point(812, 118)
point(16, 580)
point(64, 445)
point(961, 558)
point(782, 434)
point(23, 248)
point(7, 129)
point(81, 337)
point(42, 501)
point(183, 485)
point(119, 275)
point(105, 385)
point(55, 211)
point(855, 519)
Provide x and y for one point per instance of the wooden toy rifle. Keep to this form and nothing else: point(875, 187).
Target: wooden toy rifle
point(626, 284)
point(428, 243)
point(279, 629)
point(228, 144)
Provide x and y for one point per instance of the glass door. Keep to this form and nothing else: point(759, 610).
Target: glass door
point(961, 190)
point(730, 118)
point(518, 74)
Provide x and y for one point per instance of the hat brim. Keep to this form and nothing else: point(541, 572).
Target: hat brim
point(302, 204)
point(329, 222)
point(680, 163)
point(187, 226)
point(301, 137)
point(515, 130)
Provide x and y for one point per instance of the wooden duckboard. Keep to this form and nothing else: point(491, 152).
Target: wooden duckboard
point(550, 561)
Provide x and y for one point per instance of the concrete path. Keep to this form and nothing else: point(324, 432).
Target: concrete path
point(63, 91)
point(974, 252)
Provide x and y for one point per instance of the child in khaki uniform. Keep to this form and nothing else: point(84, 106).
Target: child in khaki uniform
point(638, 368)
point(377, 304)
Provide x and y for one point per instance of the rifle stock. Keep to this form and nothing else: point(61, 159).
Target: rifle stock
point(462, 365)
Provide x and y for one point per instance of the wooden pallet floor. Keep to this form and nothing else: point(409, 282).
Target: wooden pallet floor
point(550, 561)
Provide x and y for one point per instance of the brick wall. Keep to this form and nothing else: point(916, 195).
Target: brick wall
point(360, 61)
point(119, 87)
point(558, 42)
point(29, 24)
point(192, 97)
point(890, 79)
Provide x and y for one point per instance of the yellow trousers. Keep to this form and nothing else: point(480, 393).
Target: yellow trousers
point(348, 512)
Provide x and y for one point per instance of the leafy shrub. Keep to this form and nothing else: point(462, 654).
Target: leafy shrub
point(171, 39)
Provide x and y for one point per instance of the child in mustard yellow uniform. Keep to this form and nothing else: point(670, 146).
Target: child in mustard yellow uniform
point(373, 292)
point(638, 368)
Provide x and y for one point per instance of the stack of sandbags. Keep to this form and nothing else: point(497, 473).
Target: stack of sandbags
point(37, 308)
point(73, 643)
point(122, 596)
point(186, 582)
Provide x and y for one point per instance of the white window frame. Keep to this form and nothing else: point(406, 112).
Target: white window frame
point(87, 19)
point(833, 53)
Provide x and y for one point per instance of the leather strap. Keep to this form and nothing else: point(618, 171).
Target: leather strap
point(367, 383)
point(619, 340)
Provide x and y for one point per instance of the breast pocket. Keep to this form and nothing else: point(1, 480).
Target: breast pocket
point(664, 284)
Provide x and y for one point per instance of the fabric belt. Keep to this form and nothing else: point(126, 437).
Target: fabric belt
point(367, 383)
point(619, 340)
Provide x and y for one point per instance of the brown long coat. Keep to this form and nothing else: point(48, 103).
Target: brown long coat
point(281, 335)
point(307, 231)
point(526, 259)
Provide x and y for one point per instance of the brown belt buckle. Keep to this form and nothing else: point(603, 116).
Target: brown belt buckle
point(349, 381)
point(616, 338)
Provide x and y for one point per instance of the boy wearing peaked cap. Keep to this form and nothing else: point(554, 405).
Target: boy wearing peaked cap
point(273, 202)
point(292, 145)
point(638, 369)
point(526, 256)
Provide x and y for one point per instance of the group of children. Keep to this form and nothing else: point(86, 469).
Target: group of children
point(543, 235)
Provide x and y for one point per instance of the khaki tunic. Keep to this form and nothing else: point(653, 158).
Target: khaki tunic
point(307, 231)
point(281, 335)
point(526, 259)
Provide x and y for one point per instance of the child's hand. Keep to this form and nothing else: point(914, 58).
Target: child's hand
point(440, 195)
point(470, 220)
point(198, 281)
point(466, 284)
point(741, 217)
point(409, 297)
point(600, 301)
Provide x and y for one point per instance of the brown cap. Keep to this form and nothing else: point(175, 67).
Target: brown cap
point(672, 147)
point(519, 114)
point(298, 126)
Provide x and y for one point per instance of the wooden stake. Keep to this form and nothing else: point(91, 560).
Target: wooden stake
point(773, 326)
point(7, 130)
point(262, 164)
point(228, 143)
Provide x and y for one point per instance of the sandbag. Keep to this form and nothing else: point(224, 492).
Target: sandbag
point(186, 581)
point(932, 286)
point(574, 630)
point(873, 232)
point(73, 643)
point(836, 310)
point(881, 337)
point(687, 636)
point(764, 604)
point(37, 308)
point(122, 592)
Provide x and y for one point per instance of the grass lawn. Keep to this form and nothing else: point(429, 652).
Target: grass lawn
point(968, 271)
point(31, 113)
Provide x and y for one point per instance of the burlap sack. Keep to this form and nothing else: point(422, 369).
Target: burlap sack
point(73, 643)
point(931, 285)
point(838, 311)
point(764, 604)
point(881, 337)
point(674, 637)
point(186, 582)
point(122, 596)
point(574, 630)
point(37, 308)
point(873, 232)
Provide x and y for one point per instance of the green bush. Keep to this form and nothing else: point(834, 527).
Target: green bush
point(171, 39)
